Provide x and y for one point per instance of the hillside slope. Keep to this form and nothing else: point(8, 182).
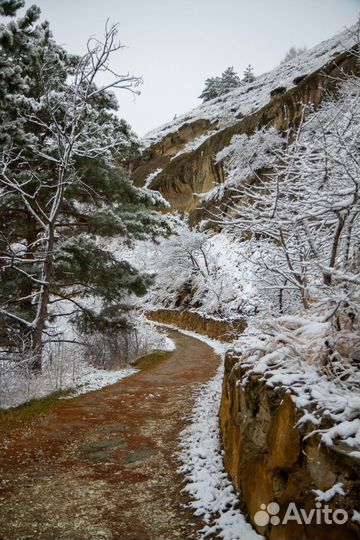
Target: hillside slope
point(179, 158)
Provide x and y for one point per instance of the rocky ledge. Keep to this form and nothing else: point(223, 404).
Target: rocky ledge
point(271, 458)
point(223, 330)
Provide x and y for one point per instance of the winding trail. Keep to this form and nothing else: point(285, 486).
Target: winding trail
point(103, 465)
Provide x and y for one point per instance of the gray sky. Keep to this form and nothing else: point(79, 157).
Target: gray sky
point(175, 45)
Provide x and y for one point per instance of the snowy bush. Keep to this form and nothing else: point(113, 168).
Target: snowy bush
point(198, 270)
point(79, 368)
point(65, 367)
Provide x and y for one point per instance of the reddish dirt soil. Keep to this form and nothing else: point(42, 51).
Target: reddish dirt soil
point(104, 465)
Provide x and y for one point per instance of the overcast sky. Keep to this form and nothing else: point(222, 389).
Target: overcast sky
point(176, 44)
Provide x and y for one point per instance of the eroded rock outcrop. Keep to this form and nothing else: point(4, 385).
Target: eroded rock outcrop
point(206, 326)
point(271, 458)
point(185, 175)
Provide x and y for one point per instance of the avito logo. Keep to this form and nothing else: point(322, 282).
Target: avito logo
point(319, 515)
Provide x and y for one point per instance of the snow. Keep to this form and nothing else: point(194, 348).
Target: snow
point(206, 480)
point(65, 367)
point(348, 430)
point(95, 379)
point(326, 496)
point(213, 496)
point(149, 179)
point(169, 345)
point(356, 516)
point(69, 373)
point(250, 97)
point(294, 363)
point(193, 145)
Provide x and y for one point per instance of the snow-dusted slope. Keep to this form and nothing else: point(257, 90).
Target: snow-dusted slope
point(248, 98)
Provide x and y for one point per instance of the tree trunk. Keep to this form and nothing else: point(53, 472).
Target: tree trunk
point(334, 249)
point(37, 334)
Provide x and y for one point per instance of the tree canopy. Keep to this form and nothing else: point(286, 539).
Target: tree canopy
point(64, 190)
point(229, 79)
point(216, 86)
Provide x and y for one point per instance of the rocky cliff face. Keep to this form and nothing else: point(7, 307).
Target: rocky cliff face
point(183, 163)
point(271, 459)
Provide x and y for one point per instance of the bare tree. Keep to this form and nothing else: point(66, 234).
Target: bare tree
point(303, 213)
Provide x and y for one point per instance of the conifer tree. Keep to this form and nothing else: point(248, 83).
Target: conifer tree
point(212, 89)
point(217, 86)
point(249, 74)
point(229, 80)
point(63, 191)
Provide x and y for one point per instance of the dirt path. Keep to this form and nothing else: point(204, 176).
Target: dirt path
point(102, 466)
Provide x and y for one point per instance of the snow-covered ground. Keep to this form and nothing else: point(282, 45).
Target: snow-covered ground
point(248, 98)
point(18, 385)
point(66, 369)
point(206, 480)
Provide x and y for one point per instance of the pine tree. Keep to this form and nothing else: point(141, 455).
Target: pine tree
point(229, 80)
point(63, 191)
point(217, 86)
point(8, 8)
point(249, 76)
point(212, 89)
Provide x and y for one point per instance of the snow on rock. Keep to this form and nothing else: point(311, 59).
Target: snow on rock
point(326, 496)
point(149, 179)
point(193, 145)
point(250, 97)
point(287, 352)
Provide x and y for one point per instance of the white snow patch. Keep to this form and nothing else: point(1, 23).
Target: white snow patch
point(151, 177)
point(95, 379)
point(193, 145)
point(356, 516)
point(326, 496)
point(348, 430)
